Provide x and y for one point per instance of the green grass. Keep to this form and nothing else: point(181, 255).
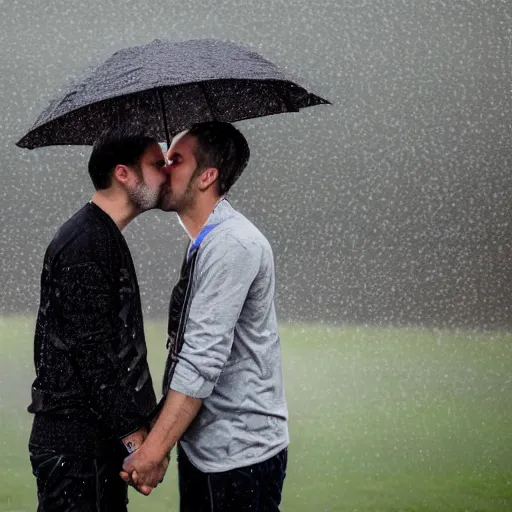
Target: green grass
point(381, 419)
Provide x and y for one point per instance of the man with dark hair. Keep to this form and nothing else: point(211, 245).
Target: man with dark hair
point(222, 146)
point(223, 388)
point(93, 394)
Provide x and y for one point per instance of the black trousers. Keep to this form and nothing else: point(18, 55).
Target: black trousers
point(76, 483)
point(255, 488)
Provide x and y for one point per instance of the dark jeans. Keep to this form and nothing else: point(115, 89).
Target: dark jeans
point(77, 483)
point(255, 488)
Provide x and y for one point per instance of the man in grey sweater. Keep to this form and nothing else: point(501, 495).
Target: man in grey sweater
point(224, 398)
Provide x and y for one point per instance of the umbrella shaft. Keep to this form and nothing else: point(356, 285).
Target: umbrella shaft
point(162, 105)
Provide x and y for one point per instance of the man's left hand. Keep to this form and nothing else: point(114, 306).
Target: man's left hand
point(144, 471)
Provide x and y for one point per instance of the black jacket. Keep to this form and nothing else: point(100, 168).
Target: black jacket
point(92, 384)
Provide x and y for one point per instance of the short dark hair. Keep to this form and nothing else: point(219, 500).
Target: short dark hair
point(222, 146)
point(120, 145)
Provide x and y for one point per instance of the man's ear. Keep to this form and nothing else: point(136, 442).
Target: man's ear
point(121, 173)
point(208, 177)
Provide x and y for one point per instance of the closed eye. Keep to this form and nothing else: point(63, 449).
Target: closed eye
point(175, 159)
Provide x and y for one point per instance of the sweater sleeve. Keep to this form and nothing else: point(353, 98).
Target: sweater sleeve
point(225, 271)
point(85, 303)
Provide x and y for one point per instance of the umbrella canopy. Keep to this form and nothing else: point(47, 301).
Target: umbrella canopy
point(166, 87)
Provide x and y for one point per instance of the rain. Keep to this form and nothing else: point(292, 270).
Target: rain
point(388, 213)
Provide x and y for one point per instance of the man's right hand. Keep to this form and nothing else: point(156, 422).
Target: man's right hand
point(143, 472)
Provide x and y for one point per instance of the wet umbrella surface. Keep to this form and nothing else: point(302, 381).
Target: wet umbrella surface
point(168, 86)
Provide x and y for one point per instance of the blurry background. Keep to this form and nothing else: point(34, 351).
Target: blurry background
point(391, 206)
point(388, 213)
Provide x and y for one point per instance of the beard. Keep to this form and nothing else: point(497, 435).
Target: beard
point(143, 197)
point(169, 202)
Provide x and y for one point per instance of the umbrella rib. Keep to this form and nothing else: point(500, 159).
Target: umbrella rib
point(202, 88)
point(162, 105)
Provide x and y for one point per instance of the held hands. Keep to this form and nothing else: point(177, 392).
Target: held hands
point(146, 467)
point(143, 470)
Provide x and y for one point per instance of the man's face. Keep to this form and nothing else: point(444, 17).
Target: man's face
point(147, 187)
point(180, 192)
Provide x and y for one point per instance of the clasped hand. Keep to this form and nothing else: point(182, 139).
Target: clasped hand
point(144, 471)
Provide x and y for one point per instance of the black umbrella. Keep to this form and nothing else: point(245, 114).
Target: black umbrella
point(166, 87)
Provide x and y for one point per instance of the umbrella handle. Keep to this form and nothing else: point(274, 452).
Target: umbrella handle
point(162, 105)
